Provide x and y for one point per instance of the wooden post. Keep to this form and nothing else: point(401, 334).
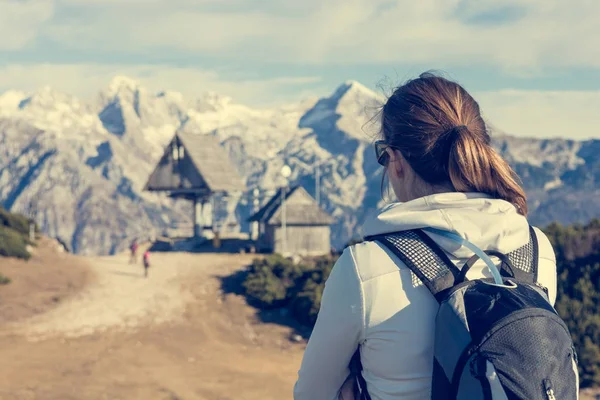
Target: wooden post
point(284, 222)
point(198, 224)
point(207, 214)
point(254, 226)
point(318, 185)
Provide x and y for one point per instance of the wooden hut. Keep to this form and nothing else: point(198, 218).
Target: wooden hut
point(195, 167)
point(294, 226)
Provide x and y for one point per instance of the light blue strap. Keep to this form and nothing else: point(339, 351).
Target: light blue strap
point(464, 242)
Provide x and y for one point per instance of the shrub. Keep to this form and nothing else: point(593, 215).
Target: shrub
point(305, 307)
point(275, 282)
point(263, 286)
point(272, 281)
point(4, 280)
point(13, 244)
point(17, 222)
point(306, 303)
point(577, 251)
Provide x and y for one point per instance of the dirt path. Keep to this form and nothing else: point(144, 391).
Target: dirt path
point(173, 335)
point(120, 299)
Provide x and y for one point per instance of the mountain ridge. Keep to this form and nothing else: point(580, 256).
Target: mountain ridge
point(82, 165)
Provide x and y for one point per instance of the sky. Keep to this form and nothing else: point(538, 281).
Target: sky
point(533, 65)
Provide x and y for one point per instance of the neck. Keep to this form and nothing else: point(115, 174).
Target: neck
point(423, 189)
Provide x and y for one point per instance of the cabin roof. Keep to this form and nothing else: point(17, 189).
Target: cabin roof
point(209, 160)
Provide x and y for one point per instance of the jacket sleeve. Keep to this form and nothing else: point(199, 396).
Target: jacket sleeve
point(336, 335)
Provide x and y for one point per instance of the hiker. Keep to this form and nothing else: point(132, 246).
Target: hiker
point(133, 249)
point(377, 314)
point(146, 262)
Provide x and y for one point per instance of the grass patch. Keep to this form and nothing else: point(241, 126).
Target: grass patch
point(14, 235)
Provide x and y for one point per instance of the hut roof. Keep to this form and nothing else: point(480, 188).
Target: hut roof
point(211, 169)
point(212, 162)
point(300, 209)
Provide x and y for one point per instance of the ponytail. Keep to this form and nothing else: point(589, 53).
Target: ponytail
point(473, 165)
point(437, 126)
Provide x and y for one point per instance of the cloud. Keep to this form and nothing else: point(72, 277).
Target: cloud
point(517, 35)
point(86, 80)
point(20, 21)
point(567, 114)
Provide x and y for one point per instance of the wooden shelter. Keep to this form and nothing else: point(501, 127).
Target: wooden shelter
point(195, 167)
point(293, 224)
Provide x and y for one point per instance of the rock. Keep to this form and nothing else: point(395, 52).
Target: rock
point(296, 338)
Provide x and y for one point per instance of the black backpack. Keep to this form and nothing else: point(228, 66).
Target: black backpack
point(492, 341)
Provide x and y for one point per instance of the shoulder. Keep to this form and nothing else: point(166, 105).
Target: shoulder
point(372, 260)
point(547, 264)
point(545, 250)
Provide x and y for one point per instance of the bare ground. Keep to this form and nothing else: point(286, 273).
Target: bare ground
point(174, 335)
point(48, 279)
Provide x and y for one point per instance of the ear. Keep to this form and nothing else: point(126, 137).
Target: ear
point(396, 161)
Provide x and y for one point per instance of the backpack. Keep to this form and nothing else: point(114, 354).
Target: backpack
point(492, 341)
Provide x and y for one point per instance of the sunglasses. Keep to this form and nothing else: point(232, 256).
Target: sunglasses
point(380, 152)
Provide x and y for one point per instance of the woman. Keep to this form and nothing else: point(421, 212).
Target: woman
point(436, 152)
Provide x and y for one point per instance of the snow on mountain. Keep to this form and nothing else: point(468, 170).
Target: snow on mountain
point(10, 100)
point(82, 165)
point(84, 181)
point(563, 154)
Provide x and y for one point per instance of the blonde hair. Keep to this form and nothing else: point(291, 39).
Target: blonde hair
point(438, 128)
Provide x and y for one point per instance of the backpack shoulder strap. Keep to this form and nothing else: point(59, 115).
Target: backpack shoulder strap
point(525, 259)
point(423, 257)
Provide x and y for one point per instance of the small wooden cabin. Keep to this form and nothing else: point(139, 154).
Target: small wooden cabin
point(195, 167)
point(293, 224)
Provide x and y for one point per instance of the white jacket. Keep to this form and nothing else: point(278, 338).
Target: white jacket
point(373, 300)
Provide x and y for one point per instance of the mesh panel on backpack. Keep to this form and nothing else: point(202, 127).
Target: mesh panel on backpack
point(430, 263)
point(524, 260)
point(434, 268)
point(522, 257)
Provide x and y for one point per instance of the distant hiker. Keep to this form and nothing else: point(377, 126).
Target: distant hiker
point(392, 324)
point(133, 249)
point(146, 262)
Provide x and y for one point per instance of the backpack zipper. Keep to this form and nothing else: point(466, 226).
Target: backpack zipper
point(549, 390)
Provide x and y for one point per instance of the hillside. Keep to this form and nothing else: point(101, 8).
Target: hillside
point(49, 278)
point(81, 165)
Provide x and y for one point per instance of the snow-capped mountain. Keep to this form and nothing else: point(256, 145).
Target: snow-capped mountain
point(81, 165)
